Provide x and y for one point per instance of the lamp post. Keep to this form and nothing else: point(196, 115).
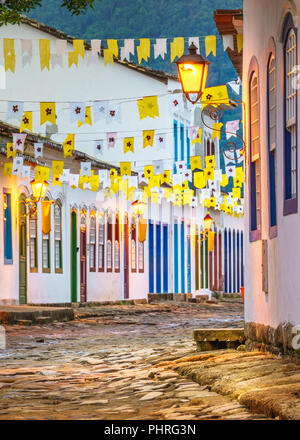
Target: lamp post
point(192, 71)
point(138, 207)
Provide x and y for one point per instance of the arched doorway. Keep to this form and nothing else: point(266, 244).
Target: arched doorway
point(22, 251)
point(126, 257)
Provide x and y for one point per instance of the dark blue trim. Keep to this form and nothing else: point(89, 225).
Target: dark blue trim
point(189, 279)
point(182, 268)
point(271, 155)
point(234, 261)
point(158, 258)
point(151, 257)
point(175, 133)
point(242, 258)
point(238, 260)
point(229, 261)
point(181, 142)
point(188, 150)
point(165, 259)
point(225, 262)
point(8, 253)
point(176, 258)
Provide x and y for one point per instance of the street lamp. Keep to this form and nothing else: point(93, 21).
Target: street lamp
point(39, 189)
point(138, 207)
point(192, 71)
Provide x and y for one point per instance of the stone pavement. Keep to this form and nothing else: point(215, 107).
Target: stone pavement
point(114, 363)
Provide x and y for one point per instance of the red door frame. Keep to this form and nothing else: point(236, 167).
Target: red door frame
point(83, 295)
point(126, 257)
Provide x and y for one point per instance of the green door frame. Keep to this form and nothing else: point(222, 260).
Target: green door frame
point(73, 256)
point(22, 251)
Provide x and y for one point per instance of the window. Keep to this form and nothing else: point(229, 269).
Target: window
point(208, 148)
point(92, 243)
point(175, 133)
point(109, 245)
point(46, 248)
point(117, 245)
point(101, 236)
point(271, 103)
point(57, 238)
point(133, 245)
point(7, 228)
point(33, 242)
point(141, 256)
point(255, 181)
point(290, 122)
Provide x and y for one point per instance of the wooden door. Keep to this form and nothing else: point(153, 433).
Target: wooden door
point(83, 258)
point(126, 258)
point(73, 256)
point(22, 251)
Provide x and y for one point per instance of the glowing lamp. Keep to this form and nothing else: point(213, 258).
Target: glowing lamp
point(192, 71)
point(208, 221)
point(39, 189)
point(138, 207)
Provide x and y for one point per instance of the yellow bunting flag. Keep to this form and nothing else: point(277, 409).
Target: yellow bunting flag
point(47, 112)
point(239, 172)
point(94, 182)
point(10, 150)
point(177, 198)
point(185, 184)
point(237, 182)
point(224, 181)
point(148, 106)
point(240, 42)
point(143, 50)
point(236, 193)
point(148, 136)
point(42, 173)
point(88, 117)
point(69, 144)
point(125, 168)
point(154, 182)
point(108, 57)
point(57, 167)
point(211, 45)
point(148, 171)
point(211, 240)
point(146, 193)
point(142, 230)
point(113, 174)
point(72, 59)
point(8, 166)
point(108, 193)
point(123, 187)
point(210, 162)
point(154, 197)
point(168, 193)
point(177, 48)
point(26, 122)
point(128, 145)
point(216, 130)
point(196, 163)
point(215, 96)
point(166, 177)
point(112, 46)
point(78, 46)
point(187, 196)
point(199, 180)
point(198, 139)
point(46, 216)
point(56, 180)
point(44, 45)
point(209, 173)
point(9, 54)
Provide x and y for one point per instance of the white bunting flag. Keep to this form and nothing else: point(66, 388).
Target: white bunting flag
point(160, 141)
point(177, 179)
point(231, 128)
point(193, 132)
point(194, 202)
point(99, 147)
point(85, 168)
point(235, 85)
point(175, 102)
point(86, 185)
point(180, 166)
point(111, 139)
point(228, 161)
point(103, 175)
point(56, 60)
point(96, 47)
point(142, 178)
point(61, 47)
point(230, 171)
point(218, 175)
point(127, 49)
point(26, 50)
point(188, 175)
point(132, 181)
point(204, 194)
point(74, 180)
point(38, 149)
point(100, 110)
point(65, 178)
point(195, 40)
point(106, 183)
point(158, 167)
point(228, 42)
point(19, 141)
point(160, 48)
point(77, 111)
point(26, 172)
point(15, 110)
point(17, 166)
point(113, 113)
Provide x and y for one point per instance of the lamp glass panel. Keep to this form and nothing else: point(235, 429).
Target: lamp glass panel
point(192, 77)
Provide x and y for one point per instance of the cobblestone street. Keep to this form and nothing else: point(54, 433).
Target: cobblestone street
point(103, 365)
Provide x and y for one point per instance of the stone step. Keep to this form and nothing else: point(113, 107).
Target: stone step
point(24, 322)
point(218, 338)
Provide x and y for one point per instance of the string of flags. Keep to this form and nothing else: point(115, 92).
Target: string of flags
point(57, 54)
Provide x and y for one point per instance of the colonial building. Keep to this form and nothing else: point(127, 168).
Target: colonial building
point(270, 95)
point(92, 251)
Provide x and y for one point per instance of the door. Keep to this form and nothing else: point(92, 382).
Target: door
point(83, 258)
point(73, 256)
point(22, 251)
point(126, 257)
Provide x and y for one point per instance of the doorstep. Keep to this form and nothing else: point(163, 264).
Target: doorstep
point(28, 315)
point(218, 338)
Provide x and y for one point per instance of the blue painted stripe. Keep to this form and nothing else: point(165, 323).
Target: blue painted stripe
point(234, 262)
point(188, 150)
point(151, 257)
point(8, 256)
point(182, 141)
point(182, 259)
point(175, 133)
point(225, 262)
point(242, 258)
point(230, 268)
point(189, 280)
point(176, 258)
point(165, 259)
point(158, 258)
point(238, 260)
